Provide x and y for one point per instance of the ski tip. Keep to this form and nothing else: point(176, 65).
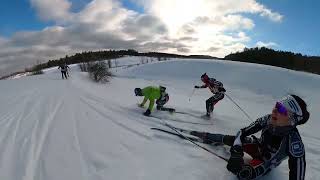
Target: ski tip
point(205, 117)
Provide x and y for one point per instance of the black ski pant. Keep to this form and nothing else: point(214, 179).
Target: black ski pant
point(160, 105)
point(213, 100)
point(64, 73)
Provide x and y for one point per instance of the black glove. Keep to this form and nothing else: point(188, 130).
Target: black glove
point(248, 172)
point(147, 113)
point(235, 163)
point(221, 89)
point(196, 87)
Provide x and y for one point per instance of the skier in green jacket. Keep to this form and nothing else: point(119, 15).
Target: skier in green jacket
point(152, 93)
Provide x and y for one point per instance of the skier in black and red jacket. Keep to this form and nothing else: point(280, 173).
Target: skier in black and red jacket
point(279, 140)
point(216, 87)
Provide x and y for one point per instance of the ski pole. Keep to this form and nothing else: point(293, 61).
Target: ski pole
point(239, 107)
point(181, 135)
point(194, 89)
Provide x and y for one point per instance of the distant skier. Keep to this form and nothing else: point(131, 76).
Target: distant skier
point(64, 70)
point(216, 87)
point(279, 140)
point(151, 93)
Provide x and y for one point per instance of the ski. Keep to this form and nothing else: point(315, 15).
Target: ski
point(179, 135)
point(197, 134)
point(196, 116)
point(171, 110)
point(181, 130)
point(180, 121)
point(185, 137)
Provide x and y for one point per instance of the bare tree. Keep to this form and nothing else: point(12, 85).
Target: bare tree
point(99, 72)
point(109, 63)
point(115, 63)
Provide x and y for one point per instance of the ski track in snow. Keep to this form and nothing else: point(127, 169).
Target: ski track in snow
point(76, 129)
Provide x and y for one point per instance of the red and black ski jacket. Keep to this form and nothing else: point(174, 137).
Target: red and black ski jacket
point(277, 144)
point(214, 86)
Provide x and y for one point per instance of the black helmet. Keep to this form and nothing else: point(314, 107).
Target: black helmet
point(303, 106)
point(162, 88)
point(138, 92)
point(297, 107)
point(204, 77)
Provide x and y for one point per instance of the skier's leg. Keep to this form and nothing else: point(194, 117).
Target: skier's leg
point(159, 107)
point(62, 75)
point(216, 98)
point(256, 167)
point(250, 143)
point(161, 103)
point(209, 105)
point(65, 75)
point(252, 149)
point(209, 138)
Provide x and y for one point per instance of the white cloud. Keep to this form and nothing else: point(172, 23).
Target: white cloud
point(266, 44)
point(53, 10)
point(2, 41)
point(179, 26)
point(209, 21)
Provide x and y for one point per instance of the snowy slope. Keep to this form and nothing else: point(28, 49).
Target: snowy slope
point(57, 129)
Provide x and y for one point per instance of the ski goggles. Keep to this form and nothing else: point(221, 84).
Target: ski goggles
point(281, 109)
point(289, 106)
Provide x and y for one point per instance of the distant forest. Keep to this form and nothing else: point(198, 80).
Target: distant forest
point(263, 55)
point(90, 56)
point(267, 56)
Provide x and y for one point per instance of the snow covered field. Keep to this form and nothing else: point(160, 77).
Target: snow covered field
point(54, 129)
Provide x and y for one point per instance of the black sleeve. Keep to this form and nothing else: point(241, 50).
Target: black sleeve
point(297, 167)
point(203, 86)
point(297, 161)
point(256, 126)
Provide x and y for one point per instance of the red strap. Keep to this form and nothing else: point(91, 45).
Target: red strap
point(255, 162)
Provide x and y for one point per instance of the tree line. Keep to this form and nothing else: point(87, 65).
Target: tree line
point(263, 55)
point(284, 59)
point(90, 56)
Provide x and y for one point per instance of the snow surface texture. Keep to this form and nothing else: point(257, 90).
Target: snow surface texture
point(56, 129)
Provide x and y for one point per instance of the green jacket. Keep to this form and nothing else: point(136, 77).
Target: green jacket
point(151, 93)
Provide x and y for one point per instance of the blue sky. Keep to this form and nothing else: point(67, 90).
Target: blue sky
point(39, 30)
point(298, 32)
point(17, 15)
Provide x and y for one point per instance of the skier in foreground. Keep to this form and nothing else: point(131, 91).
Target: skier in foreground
point(279, 140)
point(151, 93)
point(216, 87)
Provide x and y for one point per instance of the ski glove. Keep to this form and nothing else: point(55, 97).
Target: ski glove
point(221, 89)
point(235, 163)
point(197, 87)
point(247, 172)
point(147, 113)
